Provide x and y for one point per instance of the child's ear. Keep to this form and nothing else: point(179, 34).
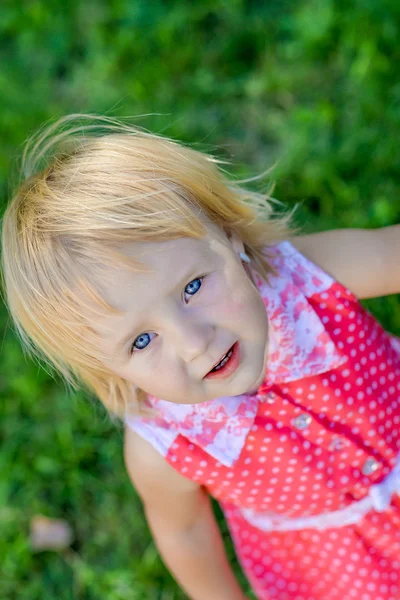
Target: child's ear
point(235, 241)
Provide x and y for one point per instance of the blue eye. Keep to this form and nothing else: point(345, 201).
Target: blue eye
point(194, 285)
point(143, 340)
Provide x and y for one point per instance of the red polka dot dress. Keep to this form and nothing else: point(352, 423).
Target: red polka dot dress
point(306, 470)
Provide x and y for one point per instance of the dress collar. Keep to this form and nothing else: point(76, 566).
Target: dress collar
point(299, 346)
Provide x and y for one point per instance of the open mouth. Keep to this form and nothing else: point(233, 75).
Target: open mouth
point(227, 365)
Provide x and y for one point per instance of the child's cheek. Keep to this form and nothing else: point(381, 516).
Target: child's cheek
point(229, 301)
point(235, 307)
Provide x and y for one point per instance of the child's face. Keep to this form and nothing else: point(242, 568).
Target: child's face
point(178, 321)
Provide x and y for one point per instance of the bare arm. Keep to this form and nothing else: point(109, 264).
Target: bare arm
point(366, 261)
point(181, 519)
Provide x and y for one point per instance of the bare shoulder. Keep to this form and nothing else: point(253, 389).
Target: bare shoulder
point(147, 467)
point(360, 259)
point(157, 483)
point(170, 500)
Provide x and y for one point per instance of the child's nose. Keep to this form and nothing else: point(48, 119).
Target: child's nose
point(193, 339)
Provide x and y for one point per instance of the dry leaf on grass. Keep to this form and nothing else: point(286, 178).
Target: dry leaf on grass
point(49, 534)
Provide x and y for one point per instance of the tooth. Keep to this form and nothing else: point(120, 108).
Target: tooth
point(223, 360)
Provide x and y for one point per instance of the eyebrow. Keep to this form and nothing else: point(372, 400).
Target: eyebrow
point(120, 344)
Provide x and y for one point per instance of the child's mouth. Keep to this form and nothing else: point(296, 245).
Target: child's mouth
point(227, 365)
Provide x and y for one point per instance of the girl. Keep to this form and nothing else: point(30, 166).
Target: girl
point(238, 356)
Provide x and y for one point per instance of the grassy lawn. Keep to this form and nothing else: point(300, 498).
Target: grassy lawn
point(311, 87)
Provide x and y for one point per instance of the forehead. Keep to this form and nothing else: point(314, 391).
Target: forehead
point(164, 265)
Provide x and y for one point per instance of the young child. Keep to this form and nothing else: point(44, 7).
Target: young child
point(238, 356)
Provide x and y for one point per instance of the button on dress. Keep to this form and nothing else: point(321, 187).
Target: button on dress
point(296, 465)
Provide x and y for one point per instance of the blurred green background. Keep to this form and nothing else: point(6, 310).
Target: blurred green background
point(310, 86)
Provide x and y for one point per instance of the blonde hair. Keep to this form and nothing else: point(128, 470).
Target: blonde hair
point(104, 183)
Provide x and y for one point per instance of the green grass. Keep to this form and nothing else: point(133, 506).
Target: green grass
point(309, 86)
